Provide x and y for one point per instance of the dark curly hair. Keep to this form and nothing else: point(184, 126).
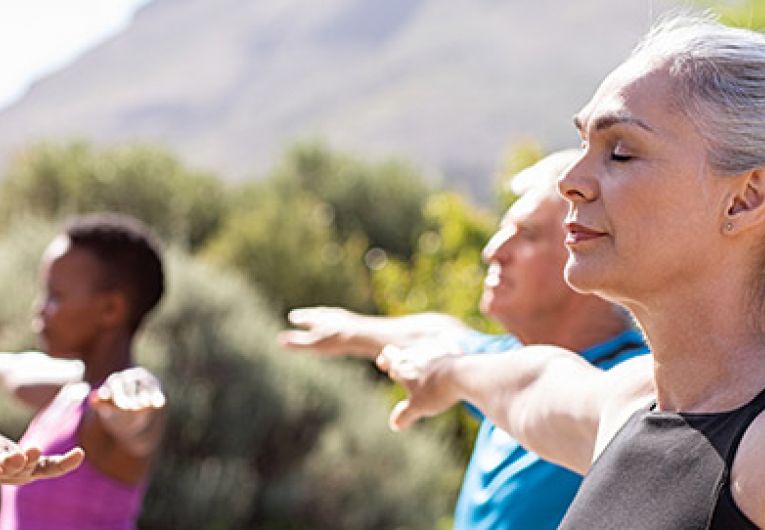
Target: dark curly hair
point(130, 256)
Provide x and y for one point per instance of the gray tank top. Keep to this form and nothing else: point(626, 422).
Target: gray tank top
point(666, 471)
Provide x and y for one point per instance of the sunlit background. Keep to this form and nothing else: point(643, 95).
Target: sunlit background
point(292, 153)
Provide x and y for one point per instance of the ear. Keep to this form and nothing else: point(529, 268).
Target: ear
point(746, 208)
point(114, 308)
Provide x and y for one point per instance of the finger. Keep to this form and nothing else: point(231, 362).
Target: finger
point(12, 460)
point(124, 393)
point(403, 416)
point(33, 456)
point(55, 465)
point(301, 316)
point(389, 355)
point(157, 399)
point(382, 362)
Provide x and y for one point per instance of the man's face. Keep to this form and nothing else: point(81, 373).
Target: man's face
point(526, 257)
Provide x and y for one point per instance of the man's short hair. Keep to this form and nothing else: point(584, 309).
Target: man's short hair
point(544, 174)
point(129, 254)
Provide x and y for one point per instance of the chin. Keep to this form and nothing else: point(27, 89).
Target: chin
point(57, 353)
point(490, 304)
point(584, 281)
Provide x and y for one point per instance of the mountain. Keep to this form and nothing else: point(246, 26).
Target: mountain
point(447, 84)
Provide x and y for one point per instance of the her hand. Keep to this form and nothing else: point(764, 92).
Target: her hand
point(22, 466)
point(424, 373)
point(129, 405)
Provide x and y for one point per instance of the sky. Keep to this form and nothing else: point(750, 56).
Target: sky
point(38, 37)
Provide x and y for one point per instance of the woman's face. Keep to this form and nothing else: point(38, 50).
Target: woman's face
point(645, 211)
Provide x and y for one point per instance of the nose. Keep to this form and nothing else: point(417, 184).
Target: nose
point(497, 249)
point(578, 182)
point(38, 306)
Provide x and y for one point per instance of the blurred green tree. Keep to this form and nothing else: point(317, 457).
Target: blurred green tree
point(740, 13)
point(58, 179)
point(287, 246)
point(382, 200)
point(310, 232)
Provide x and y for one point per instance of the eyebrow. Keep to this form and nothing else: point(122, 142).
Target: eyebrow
point(609, 120)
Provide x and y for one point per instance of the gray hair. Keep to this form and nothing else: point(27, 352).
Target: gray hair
point(720, 73)
point(543, 175)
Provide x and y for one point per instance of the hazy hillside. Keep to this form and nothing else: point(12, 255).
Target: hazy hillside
point(446, 83)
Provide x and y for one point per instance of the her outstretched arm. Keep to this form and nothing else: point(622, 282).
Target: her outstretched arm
point(548, 398)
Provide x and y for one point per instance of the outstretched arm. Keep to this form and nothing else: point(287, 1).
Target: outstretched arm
point(335, 331)
point(550, 399)
point(124, 428)
point(35, 378)
point(21, 466)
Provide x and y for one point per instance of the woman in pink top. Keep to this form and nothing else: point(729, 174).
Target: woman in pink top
point(100, 277)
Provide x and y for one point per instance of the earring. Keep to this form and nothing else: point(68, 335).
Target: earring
point(728, 226)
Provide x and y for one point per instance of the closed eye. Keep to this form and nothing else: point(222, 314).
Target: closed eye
point(618, 157)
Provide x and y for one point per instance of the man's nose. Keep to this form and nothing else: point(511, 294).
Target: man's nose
point(498, 245)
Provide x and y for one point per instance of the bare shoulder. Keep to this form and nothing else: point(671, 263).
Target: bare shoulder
point(624, 389)
point(747, 483)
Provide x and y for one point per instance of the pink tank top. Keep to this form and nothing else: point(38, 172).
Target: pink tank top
point(85, 499)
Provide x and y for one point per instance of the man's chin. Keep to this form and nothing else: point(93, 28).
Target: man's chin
point(490, 308)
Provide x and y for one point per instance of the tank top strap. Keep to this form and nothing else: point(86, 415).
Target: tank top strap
point(743, 417)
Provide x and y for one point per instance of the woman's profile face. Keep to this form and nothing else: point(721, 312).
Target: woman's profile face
point(644, 208)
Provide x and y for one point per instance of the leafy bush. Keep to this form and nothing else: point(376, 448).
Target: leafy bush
point(257, 437)
point(287, 247)
point(381, 200)
point(309, 233)
point(57, 179)
point(445, 274)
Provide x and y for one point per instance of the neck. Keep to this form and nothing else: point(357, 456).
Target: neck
point(111, 355)
point(707, 348)
point(585, 321)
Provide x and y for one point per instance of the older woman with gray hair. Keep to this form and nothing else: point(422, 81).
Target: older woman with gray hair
point(667, 217)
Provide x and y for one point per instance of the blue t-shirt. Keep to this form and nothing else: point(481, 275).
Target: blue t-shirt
point(507, 487)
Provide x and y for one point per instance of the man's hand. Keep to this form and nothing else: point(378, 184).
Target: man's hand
point(130, 404)
point(330, 331)
point(424, 373)
point(21, 466)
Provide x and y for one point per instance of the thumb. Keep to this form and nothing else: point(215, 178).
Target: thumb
point(403, 416)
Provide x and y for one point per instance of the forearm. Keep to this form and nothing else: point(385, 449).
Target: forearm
point(372, 333)
point(34, 378)
point(539, 395)
point(36, 368)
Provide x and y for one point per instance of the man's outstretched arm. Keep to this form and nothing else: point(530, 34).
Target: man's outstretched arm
point(334, 331)
point(550, 399)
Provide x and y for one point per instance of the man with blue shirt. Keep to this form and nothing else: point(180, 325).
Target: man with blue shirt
point(505, 487)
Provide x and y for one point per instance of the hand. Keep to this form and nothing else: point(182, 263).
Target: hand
point(19, 466)
point(423, 371)
point(128, 405)
point(330, 331)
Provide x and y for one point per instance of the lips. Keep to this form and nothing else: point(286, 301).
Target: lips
point(494, 277)
point(578, 233)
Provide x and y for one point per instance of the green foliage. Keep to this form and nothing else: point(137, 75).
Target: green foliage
point(288, 248)
point(516, 158)
point(309, 233)
point(54, 180)
point(381, 200)
point(256, 437)
point(446, 273)
point(740, 13)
